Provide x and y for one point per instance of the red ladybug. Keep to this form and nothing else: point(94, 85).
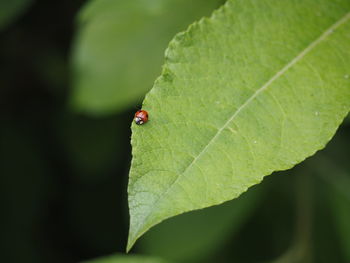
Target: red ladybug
point(141, 117)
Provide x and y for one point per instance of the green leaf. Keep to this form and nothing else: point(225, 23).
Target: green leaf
point(125, 259)
point(10, 10)
point(190, 235)
point(257, 88)
point(120, 46)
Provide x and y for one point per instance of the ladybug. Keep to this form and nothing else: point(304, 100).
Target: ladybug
point(141, 117)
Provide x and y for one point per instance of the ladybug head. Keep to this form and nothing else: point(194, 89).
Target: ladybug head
point(139, 121)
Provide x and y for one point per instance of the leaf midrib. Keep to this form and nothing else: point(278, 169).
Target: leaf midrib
point(310, 47)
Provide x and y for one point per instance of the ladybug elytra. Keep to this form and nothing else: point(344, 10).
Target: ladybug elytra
point(141, 117)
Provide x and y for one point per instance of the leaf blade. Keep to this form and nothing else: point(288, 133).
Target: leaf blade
point(273, 131)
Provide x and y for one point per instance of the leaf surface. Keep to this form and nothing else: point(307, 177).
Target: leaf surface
point(119, 49)
point(256, 88)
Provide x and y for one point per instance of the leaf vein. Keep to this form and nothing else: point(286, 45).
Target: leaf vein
point(301, 55)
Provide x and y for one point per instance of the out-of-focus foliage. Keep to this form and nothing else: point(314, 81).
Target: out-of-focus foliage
point(347, 119)
point(334, 170)
point(24, 193)
point(198, 235)
point(10, 10)
point(94, 151)
point(126, 259)
point(340, 204)
point(119, 49)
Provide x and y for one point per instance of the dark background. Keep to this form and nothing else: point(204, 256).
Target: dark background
point(61, 201)
point(63, 176)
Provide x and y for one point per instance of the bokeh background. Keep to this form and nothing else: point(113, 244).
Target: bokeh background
point(65, 112)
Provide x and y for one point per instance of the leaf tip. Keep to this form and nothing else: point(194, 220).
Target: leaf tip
point(129, 245)
point(133, 236)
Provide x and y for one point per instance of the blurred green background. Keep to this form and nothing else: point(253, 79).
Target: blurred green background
point(72, 75)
